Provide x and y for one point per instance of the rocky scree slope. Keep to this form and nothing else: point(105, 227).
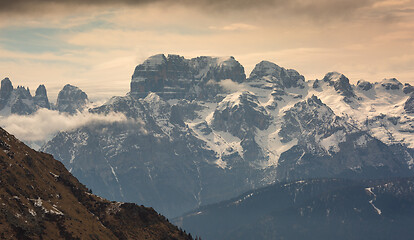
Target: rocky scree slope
point(40, 199)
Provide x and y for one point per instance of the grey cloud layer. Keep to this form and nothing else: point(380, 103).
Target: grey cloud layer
point(307, 7)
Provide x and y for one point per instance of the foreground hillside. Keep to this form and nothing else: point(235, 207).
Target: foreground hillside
point(312, 209)
point(40, 199)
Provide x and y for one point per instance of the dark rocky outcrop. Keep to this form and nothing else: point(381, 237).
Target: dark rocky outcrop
point(391, 84)
point(364, 85)
point(408, 89)
point(5, 92)
point(279, 76)
point(316, 84)
point(409, 104)
point(71, 100)
point(40, 99)
point(340, 83)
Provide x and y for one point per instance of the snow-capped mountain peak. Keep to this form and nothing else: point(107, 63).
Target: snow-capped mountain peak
point(281, 77)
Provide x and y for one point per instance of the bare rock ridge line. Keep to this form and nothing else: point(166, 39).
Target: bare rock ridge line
point(174, 76)
point(20, 101)
point(40, 199)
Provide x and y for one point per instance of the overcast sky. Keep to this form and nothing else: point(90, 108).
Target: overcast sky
point(96, 44)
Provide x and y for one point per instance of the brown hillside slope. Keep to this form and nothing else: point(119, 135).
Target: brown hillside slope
point(40, 199)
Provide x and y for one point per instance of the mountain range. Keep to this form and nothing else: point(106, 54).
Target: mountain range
point(311, 209)
point(199, 131)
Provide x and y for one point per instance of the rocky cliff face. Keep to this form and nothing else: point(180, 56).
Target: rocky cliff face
point(408, 89)
point(5, 92)
point(19, 100)
point(364, 85)
point(391, 84)
point(40, 199)
point(176, 77)
point(277, 76)
point(207, 142)
point(71, 100)
point(240, 114)
point(340, 83)
point(41, 99)
point(409, 105)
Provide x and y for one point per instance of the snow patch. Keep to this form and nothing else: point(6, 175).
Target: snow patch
point(361, 141)
point(371, 202)
point(331, 143)
point(242, 199)
point(376, 209)
point(54, 175)
point(53, 208)
point(32, 212)
point(116, 178)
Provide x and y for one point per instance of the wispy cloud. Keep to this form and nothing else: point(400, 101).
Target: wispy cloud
point(234, 27)
point(390, 3)
point(44, 124)
point(231, 86)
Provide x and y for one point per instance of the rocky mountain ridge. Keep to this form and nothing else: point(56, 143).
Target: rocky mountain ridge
point(21, 102)
point(40, 199)
point(311, 209)
point(176, 77)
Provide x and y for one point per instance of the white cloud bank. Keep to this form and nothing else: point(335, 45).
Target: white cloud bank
point(231, 86)
point(40, 127)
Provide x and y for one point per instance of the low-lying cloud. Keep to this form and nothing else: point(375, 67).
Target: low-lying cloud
point(40, 127)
